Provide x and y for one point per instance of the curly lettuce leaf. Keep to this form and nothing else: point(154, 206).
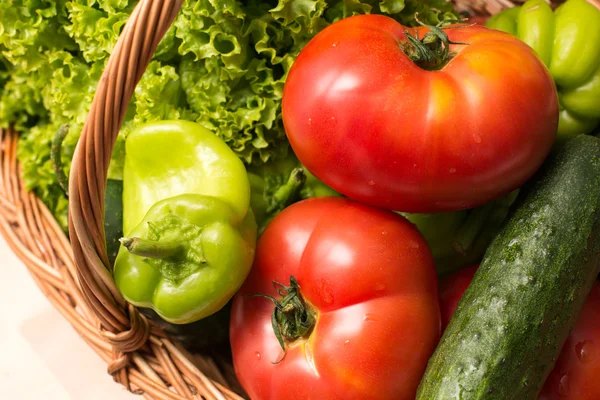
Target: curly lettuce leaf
point(28, 28)
point(222, 63)
point(237, 56)
point(96, 30)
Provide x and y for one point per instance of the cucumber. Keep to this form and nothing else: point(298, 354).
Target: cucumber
point(512, 321)
point(113, 217)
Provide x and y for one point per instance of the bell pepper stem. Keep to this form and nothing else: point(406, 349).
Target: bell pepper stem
point(286, 193)
point(472, 227)
point(55, 156)
point(153, 249)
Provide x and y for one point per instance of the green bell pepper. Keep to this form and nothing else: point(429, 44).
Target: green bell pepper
point(280, 183)
point(566, 40)
point(460, 238)
point(191, 234)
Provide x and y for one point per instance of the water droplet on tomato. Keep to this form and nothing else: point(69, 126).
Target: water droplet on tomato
point(258, 355)
point(452, 170)
point(476, 138)
point(585, 351)
point(563, 386)
point(379, 286)
point(413, 244)
point(335, 44)
point(347, 341)
point(310, 121)
point(333, 119)
point(371, 317)
point(371, 183)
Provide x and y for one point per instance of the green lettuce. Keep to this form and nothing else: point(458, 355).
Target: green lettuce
point(222, 63)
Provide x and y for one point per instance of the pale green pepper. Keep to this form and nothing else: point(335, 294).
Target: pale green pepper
point(568, 42)
point(190, 231)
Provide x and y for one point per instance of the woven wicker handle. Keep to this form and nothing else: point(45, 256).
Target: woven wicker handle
point(127, 330)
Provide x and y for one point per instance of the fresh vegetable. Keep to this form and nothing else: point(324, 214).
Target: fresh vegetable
point(515, 316)
point(451, 291)
point(460, 238)
point(222, 63)
point(419, 125)
point(279, 183)
point(357, 314)
point(575, 374)
point(113, 217)
point(191, 233)
point(201, 336)
point(566, 41)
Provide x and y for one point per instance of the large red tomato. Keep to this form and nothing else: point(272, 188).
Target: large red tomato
point(367, 281)
point(375, 126)
point(451, 291)
point(575, 375)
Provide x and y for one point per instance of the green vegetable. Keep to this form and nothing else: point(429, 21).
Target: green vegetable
point(197, 337)
point(567, 42)
point(460, 238)
point(191, 233)
point(222, 63)
point(113, 217)
point(279, 183)
point(512, 321)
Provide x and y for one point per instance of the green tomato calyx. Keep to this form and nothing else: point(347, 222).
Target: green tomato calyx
point(432, 51)
point(292, 318)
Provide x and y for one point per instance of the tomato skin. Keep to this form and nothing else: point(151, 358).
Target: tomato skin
point(575, 375)
point(369, 275)
point(370, 123)
point(579, 360)
point(451, 291)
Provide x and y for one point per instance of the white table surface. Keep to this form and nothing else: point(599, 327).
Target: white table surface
point(41, 355)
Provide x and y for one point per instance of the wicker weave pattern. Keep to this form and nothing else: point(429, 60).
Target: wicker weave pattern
point(75, 276)
point(159, 370)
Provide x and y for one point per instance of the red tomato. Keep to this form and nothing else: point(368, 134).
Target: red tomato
point(477, 19)
point(370, 123)
point(452, 289)
point(368, 276)
point(575, 375)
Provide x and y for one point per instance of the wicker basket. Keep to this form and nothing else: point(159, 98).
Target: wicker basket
point(75, 276)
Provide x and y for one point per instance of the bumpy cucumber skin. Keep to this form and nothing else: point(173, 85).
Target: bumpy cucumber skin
point(515, 316)
point(113, 218)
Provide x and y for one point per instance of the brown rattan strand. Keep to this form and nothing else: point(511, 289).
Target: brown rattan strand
point(75, 276)
point(35, 237)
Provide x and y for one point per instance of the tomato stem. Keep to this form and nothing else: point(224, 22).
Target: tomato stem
point(292, 318)
point(432, 51)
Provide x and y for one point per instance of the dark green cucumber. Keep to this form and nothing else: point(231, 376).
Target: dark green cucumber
point(113, 217)
point(513, 319)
